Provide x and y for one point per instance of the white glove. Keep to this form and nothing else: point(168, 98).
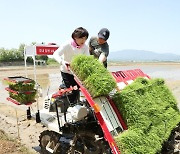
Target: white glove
point(102, 57)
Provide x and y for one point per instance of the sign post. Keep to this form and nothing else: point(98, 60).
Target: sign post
point(32, 51)
point(45, 49)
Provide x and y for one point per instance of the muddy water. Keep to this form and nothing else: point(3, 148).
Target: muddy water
point(166, 71)
point(49, 79)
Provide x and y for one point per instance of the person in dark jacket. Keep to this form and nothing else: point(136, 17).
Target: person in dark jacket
point(99, 47)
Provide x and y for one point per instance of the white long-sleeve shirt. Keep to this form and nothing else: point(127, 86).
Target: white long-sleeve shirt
point(66, 52)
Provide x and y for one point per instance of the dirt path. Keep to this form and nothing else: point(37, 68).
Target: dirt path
point(18, 127)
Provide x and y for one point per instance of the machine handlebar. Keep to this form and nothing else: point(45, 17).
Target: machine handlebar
point(61, 92)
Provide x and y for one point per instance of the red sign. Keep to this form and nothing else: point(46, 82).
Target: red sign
point(46, 49)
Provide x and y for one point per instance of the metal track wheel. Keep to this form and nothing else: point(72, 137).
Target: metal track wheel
point(85, 142)
point(51, 138)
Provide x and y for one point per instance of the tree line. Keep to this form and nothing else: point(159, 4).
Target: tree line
point(17, 55)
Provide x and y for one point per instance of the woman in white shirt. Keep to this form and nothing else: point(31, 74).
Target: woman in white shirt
point(64, 55)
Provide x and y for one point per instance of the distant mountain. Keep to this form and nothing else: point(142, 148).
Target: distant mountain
point(141, 55)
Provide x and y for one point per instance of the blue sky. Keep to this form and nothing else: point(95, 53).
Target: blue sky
point(152, 25)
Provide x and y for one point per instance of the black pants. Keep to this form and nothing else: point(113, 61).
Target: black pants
point(69, 81)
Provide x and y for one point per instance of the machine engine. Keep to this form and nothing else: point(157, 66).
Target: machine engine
point(78, 130)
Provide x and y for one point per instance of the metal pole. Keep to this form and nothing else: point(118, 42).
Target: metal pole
point(25, 57)
point(38, 119)
point(34, 59)
point(17, 122)
point(57, 115)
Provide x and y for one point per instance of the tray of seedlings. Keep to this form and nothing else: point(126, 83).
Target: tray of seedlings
point(21, 90)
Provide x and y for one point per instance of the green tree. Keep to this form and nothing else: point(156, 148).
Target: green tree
point(12, 55)
point(21, 48)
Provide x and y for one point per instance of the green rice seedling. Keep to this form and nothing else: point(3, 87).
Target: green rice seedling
point(99, 84)
point(93, 75)
point(84, 66)
point(150, 111)
point(24, 98)
point(22, 86)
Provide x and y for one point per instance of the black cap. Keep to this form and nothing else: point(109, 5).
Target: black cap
point(104, 34)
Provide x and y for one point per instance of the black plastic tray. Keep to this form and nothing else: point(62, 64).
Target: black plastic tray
point(17, 79)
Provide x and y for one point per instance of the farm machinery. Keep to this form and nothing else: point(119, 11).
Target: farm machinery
point(91, 125)
point(81, 127)
point(116, 113)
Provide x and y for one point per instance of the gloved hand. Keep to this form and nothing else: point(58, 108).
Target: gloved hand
point(102, 57)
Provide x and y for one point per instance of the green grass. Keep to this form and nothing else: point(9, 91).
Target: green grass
point(52, 62)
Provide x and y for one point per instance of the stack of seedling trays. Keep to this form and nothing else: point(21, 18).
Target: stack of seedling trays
point(21, 90)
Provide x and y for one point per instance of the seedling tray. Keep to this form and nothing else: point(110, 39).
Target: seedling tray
point(17, 79)
point(21, 90)
point(22, 98)
point(20, 84)
point(18, 103)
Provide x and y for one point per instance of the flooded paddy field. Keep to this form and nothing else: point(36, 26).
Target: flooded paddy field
point(49, 78)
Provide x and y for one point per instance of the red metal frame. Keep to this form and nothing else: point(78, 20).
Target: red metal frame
point(132, 74)
point(121, 76)
point(124, 76)
point(12, 91)
point(13, 79)
point(107, 134)
point(118, 77)
point(117, 113)
point(63, 91)
point(16, 102)
point(17, 92)
point(141, 73)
